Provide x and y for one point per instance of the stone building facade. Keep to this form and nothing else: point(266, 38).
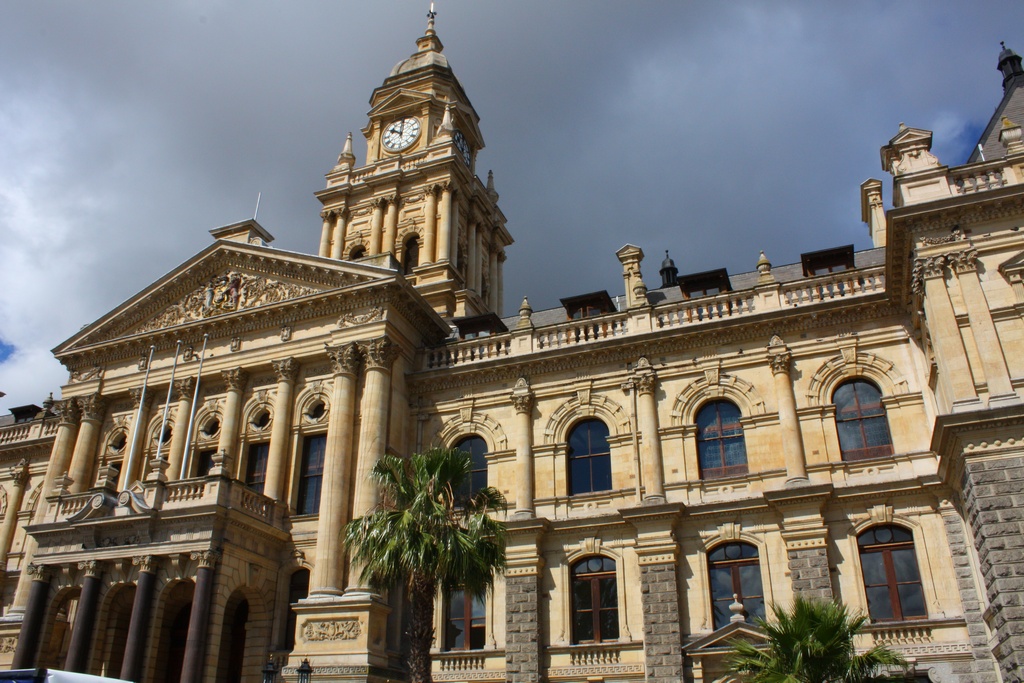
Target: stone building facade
point(677, 456)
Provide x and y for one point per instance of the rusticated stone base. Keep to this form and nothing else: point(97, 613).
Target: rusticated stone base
point(663, 646)
point(522, 629)
point(809, 569)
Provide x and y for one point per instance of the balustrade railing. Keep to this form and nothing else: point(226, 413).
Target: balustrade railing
point(838, 285)
point(705, 309)
point(27, 431)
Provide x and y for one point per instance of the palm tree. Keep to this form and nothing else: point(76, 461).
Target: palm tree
point(428, 532)
point(812, 643)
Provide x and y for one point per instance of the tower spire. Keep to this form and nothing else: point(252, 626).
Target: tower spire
point(430, 20)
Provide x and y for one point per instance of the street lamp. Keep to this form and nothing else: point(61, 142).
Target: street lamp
point(305, 672)
point(269, 670)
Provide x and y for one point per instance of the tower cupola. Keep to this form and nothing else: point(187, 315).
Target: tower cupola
point(1010, 65)
point(669, 272)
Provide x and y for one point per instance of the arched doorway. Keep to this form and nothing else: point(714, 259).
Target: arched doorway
point(63, 610)
point(244, 637)
point(173, 632)
point(112, 632)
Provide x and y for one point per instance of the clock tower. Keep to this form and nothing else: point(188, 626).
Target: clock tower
point(417, 204)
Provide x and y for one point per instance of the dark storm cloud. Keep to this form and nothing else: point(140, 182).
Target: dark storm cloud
point(127, 130)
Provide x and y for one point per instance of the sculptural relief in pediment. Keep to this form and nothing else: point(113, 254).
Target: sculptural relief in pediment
point(227, 293)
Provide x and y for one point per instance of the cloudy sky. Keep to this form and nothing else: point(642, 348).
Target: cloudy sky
point(712, 129)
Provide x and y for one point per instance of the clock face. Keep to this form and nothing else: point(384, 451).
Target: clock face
point(463, 146)
point(401, 134)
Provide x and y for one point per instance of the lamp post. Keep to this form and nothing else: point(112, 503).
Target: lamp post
point(269, 671)
point(305, 672)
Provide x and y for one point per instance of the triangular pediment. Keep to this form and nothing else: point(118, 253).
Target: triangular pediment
point(226, 279)
point(400, 100)
point(1014, 266)
point(722, 639)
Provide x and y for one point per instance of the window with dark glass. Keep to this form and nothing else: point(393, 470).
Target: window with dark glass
point(477, 449)
point(298, 589)
point(590, 460)
point(891, 579)
point(861, 422)
point(204, 462)
point(720, 447)
point(588, 305)
point(256, 466)
point(595, 601)
point(466, 626)
point(708, 283)
point(734, 570)
point(827, 261)
point(311, 474)
point(412, 255)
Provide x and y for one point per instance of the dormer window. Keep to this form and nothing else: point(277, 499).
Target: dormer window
point(827, 261)
point(588, 305)
point(476, 326)
point(708, 283)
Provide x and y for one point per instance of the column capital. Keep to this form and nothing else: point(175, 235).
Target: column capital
point(646, 382)
point(206, 558)
point(521, 396)
point(38, 572)
point(92, 568)
point(19, 473)
point(146, 563)
point(92, 407)
point(286, 369)
point(184, 387)
point(136, 396)
point(780, 361)
point(235, 378)
point(926, 269)
point(963, 261)
point(68, 411)
point(345, 358)
point(380, 353)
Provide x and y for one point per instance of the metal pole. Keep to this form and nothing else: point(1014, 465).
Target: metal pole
point(192, 416)
point(138, 415)
point(167, 404)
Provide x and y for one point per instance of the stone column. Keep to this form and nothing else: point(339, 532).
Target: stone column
point(391, 225)
point(522, 401)
point(522, 601)
point(374, 411)
point(492, 274)
point(472, 258)
point(647, 421)
point(82, 460)
point(781, 360)
point(229, 427)
point(986, 339)
point(376, 225)
point(280, 431)
point(334, 498)
point(136, 440)
point(19, 477)
point(930, 278)
point(325, 234)
point(199, 620)
point(85, 617)
point(430, 225)
point(176, 452)
point(444, 235)
point(138, 627)
point(340, 228)
point(35, 613)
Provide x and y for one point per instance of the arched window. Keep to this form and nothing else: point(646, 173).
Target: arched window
point(411, 254)
point(590, 460)
point(466, 625)
point(477, 449)
point(734, 570)
point(720, 447)
point(358, 252)
point(891, 579)
point(860, 421)
point(595, 601)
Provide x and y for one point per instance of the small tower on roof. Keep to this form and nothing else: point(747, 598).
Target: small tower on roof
point(669, 272)
point(1011, 107)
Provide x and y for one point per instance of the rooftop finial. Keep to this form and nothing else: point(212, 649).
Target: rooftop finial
point(430, 20)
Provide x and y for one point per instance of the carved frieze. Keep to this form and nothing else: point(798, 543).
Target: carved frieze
point(228, 293)
point(352, 319)
point(331, 629)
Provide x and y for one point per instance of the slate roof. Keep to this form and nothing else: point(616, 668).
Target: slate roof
point(1011, 106)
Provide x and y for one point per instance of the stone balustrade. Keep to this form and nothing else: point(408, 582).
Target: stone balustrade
point(27, 431)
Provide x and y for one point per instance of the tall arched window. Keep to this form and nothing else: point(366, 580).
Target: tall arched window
point(590, 460)
point(477, 449)
point(720, 447)
point(734, 570)
point(891, 579)
point(411, 254)
point(595, 601)
point(860, 421)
